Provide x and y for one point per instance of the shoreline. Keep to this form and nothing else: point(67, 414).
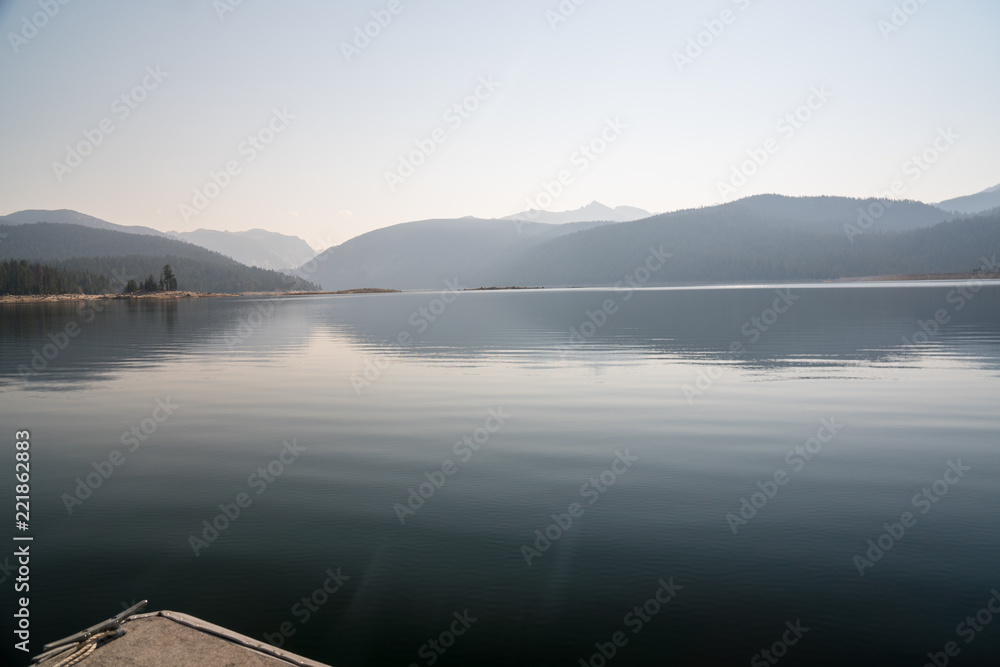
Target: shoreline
point(184, 294)
point(923, 276)
point(164, 296)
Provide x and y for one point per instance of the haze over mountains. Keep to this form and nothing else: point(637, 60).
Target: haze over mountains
point(592, 212)
point(759, 238)
point(766, 237)
point(68, 217)
point(120, 256)
point(423, 254)
point(256, 247)
point(977, 203)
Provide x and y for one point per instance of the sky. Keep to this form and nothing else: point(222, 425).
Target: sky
point(328, 119)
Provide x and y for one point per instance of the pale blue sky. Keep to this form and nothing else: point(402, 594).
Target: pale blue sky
point(323, 176)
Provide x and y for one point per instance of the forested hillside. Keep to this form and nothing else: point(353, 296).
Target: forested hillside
point(765, 237)
point(22, 277)
point(119, 256)
point(718, 245)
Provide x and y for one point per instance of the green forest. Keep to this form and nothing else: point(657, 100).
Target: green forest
point(21, 277)
point(166, 283)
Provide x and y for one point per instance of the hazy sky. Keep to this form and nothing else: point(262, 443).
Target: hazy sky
point(199, 78)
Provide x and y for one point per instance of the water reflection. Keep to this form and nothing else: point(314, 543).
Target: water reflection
point(816, 325)
point(579, 378)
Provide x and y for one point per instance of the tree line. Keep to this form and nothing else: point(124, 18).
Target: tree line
point(18, 276)
point(197, 276)
point(166, 283)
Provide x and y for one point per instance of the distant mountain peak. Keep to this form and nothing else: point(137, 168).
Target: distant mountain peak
point(976, 203)
point(592, 212)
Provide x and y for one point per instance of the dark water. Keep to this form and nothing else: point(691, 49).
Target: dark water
point(658, 384)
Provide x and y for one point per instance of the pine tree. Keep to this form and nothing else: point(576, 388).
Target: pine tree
point(168, 281)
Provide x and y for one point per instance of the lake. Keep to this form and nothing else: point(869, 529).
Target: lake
point(686, 476)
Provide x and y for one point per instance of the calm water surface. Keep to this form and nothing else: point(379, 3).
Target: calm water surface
point(844, 396)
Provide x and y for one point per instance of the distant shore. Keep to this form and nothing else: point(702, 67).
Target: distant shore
point(493, 289)
point(182, 294)
point(923, 276)
point(162, 296)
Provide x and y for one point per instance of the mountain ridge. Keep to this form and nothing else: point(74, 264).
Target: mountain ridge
point(120, 256)
point(595, 211)
point(254, 247)
point(759, 235)
point(766, 236)
point(975, 203)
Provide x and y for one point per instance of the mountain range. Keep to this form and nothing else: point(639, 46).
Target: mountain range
point(119, 256)
point(256, 247)
point(765, 237)
point(759, 238)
